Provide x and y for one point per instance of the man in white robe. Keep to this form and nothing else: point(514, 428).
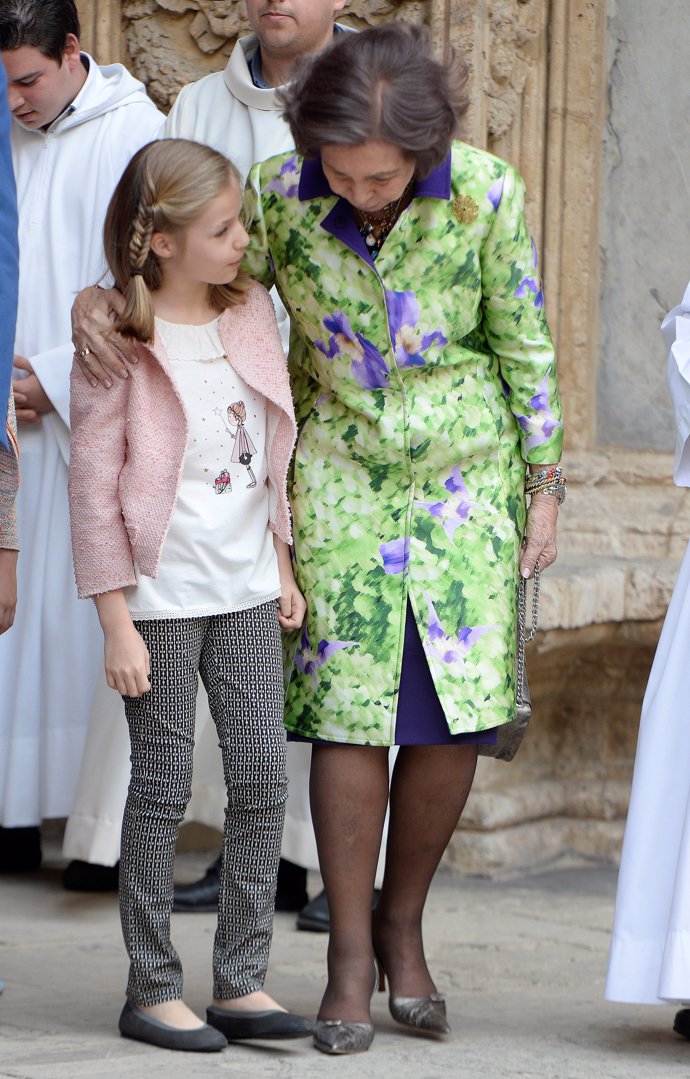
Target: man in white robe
point(9, 277)
point(76, 125)
point(649, 962)
point(9, 274)
point(237, 113)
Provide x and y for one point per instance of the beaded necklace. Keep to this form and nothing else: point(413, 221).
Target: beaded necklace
point(374, 228)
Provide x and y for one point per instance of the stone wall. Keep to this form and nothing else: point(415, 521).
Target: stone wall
point(537, 88)
point(645, 259)
point(570, 91)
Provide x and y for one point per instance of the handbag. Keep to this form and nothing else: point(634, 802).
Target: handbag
point(510, 735)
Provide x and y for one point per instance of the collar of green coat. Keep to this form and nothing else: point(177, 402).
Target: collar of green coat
point(314, 185)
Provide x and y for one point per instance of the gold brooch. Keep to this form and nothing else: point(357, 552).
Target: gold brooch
point(465, 209)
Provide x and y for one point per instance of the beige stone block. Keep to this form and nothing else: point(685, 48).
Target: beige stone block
point(649, 589)
point(533, 846)
point(624, 505)
point(538, 799)
point(576, 593)
point(101, 30)
point(495, 809)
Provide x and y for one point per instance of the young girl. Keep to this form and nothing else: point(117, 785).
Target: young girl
point(186, 571)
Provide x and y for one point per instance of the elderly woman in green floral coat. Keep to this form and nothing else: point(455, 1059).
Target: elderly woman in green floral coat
point(425, 384)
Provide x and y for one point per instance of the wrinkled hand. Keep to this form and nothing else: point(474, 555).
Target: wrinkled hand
point(92, 327)
point(540, 534)
point(292, 607)
point(8, 588)
point(30, 399)
point(127, 663)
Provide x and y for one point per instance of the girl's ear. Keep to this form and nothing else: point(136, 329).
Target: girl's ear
point(162, 244)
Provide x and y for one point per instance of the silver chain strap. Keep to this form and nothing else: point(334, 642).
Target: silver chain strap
point(523, 636)
point(527, 637)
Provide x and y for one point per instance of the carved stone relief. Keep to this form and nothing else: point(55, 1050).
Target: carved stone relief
point(173, 42)
point(515, 92)
point(537, 89)
point(363, 13)
point(510, 36)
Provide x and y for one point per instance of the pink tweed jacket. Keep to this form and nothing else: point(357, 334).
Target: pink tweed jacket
point(129, 442)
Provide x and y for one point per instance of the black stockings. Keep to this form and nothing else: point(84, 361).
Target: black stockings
point(349, 794)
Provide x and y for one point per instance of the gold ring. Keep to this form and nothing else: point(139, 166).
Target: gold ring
point(82, 353)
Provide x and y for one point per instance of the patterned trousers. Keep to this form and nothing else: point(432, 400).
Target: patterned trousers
point(239, 658)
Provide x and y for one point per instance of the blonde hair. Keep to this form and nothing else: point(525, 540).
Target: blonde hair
point(165, 187)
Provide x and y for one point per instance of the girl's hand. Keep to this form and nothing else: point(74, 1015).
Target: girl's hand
point(540, 534)
point(8, 588)
point(127, 664)
point(292, 606)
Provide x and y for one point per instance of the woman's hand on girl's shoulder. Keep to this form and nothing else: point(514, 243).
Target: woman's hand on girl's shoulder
point(99, 351)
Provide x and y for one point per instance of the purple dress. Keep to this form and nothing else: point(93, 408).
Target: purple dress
point(420, 720)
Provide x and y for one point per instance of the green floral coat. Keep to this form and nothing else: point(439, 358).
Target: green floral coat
point(422, 382)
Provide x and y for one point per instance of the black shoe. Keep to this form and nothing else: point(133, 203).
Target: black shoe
point(316, 917)
point(89, 877)
point(202, 895)
point(291, 891)
point(20, 850)
point(141, 1027)
point(681, 1023)
point(241, 1026)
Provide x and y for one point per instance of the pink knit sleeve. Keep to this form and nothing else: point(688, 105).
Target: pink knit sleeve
point(276, 380)
point(100, 545)
point(269, 343)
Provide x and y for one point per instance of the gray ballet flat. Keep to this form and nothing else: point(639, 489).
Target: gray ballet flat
point(142, 1027)
point(338, 1037)
point(238, 1026)
point(422, 1013)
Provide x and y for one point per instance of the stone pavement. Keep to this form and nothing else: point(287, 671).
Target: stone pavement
point(521, 961)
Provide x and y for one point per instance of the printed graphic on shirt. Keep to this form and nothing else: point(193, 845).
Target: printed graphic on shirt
point(223, 482)
point(244, 449)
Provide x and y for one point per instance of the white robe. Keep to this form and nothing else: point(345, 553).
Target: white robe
point(51, 661)
point(228, 112)
point(649, 961)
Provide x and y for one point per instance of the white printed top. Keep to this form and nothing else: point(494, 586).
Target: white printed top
point(218, 555)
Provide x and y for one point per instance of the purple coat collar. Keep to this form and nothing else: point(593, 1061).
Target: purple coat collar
point(340, 221)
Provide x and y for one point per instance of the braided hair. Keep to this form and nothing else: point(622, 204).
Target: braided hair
point(165, 187)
